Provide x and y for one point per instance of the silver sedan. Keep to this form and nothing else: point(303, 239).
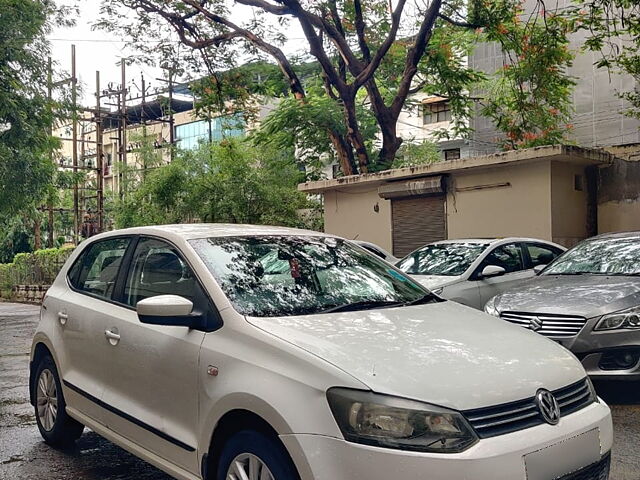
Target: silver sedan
point(471, 271)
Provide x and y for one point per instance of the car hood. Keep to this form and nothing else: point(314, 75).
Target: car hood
point(442, 353)
point(433, 282)
point(583, 295)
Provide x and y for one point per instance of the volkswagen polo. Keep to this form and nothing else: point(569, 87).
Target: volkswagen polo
point(231, 352)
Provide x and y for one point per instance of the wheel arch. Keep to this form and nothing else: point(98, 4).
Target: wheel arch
point(230, 423)
point(39, 350)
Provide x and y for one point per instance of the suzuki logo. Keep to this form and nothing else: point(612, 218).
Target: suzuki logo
point(548, 406)
point(535, 324)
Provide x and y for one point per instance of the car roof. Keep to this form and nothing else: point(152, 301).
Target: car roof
point(493, 241)
point(190, 231)
point(613, 235)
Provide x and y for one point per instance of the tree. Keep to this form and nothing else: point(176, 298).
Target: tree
point(390, 50)
point(26, 114)
point(229, 182)
point(612, 28)
point(529, 98)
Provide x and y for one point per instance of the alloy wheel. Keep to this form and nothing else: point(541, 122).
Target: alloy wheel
point(247, 466)
point(47, 400)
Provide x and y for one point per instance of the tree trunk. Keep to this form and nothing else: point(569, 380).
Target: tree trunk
point(355, 135)
point(344, 153)
point(37, 237)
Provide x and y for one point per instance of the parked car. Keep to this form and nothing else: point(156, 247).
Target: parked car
point(471, 271)
point(227, 352)
point(377, 250)
point(589, 301)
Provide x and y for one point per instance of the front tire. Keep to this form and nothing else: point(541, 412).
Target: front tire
point(56, 427)
point(255, 456)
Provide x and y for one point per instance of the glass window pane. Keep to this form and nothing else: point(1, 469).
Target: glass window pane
point(100, 265)
point(508, 257)
point(540, 255)
point(158, 269)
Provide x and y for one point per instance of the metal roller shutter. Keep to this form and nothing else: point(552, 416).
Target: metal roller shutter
point(417, 221)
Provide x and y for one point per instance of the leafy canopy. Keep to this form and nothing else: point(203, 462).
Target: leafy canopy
point(26, 115)
point(372, 57)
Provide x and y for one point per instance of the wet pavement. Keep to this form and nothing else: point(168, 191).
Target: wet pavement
point(23, 455)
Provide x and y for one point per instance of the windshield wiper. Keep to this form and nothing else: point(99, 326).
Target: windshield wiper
point(428, 298)
point(362, 305)
point(569, 273)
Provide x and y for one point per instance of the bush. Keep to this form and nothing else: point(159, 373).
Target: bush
point(37, 268)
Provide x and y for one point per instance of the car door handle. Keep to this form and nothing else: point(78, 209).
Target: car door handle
point(62, 318)
point(114, 337)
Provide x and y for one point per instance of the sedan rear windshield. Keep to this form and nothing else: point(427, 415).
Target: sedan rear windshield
point(265, 276)
point(601, 256)
point(449, 259)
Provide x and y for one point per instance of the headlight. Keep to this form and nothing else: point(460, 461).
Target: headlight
point(392, 422)
point(490, 307)
point(629, 318)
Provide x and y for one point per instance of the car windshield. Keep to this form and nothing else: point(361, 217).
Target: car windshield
point(448, 259)
point(601, 256)
point(265, 276)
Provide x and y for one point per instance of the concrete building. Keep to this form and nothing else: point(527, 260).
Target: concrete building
point(557, 193)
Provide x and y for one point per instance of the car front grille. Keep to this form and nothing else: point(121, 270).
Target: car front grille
point(595, 471)
point(549, 325)
point(514, 416)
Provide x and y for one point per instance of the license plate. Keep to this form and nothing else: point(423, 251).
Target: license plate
point(564, 457)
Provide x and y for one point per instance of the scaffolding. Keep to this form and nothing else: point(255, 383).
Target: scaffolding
point(115, 112)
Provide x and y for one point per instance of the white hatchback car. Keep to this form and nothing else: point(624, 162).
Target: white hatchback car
point(471, 271)
point(230, 352)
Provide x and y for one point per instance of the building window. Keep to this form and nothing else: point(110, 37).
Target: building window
point(189, 135)
point(436, 112)
point(452, 154)
point(578, 183)
point(335, 170)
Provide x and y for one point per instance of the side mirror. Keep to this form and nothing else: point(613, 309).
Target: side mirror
point(538, 268)
point(168, 310)
point(492, 271)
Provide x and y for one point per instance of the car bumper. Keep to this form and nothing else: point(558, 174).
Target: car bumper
point(499, 458)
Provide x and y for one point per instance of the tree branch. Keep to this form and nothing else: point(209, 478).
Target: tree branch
point(415, 54)
point(372, 66)
point(360, 30)
point(458, 23)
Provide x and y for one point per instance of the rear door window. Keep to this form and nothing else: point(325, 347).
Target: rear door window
point(541, 254)
point(96, 270)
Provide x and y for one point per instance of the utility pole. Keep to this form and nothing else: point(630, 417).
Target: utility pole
point(74, 148)
point(143, 119)
point(50, 100)
point(123, 122)
point(99, 158)
point(171, 121)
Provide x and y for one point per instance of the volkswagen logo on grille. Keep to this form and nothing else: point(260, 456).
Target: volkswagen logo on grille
point(535, 324)
point(548, 406)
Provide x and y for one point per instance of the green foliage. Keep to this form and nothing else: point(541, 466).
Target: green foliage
point(414, 154)
point(612, 29)
point(26, 115)
point(529, 98)
point(370, 63)
point(231, 181)
point(37, 268)
point(301, 127)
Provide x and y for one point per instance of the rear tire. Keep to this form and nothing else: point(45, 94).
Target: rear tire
point(257, 455)
point(56, 427)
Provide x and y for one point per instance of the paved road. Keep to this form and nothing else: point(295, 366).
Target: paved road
point(23, 456)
